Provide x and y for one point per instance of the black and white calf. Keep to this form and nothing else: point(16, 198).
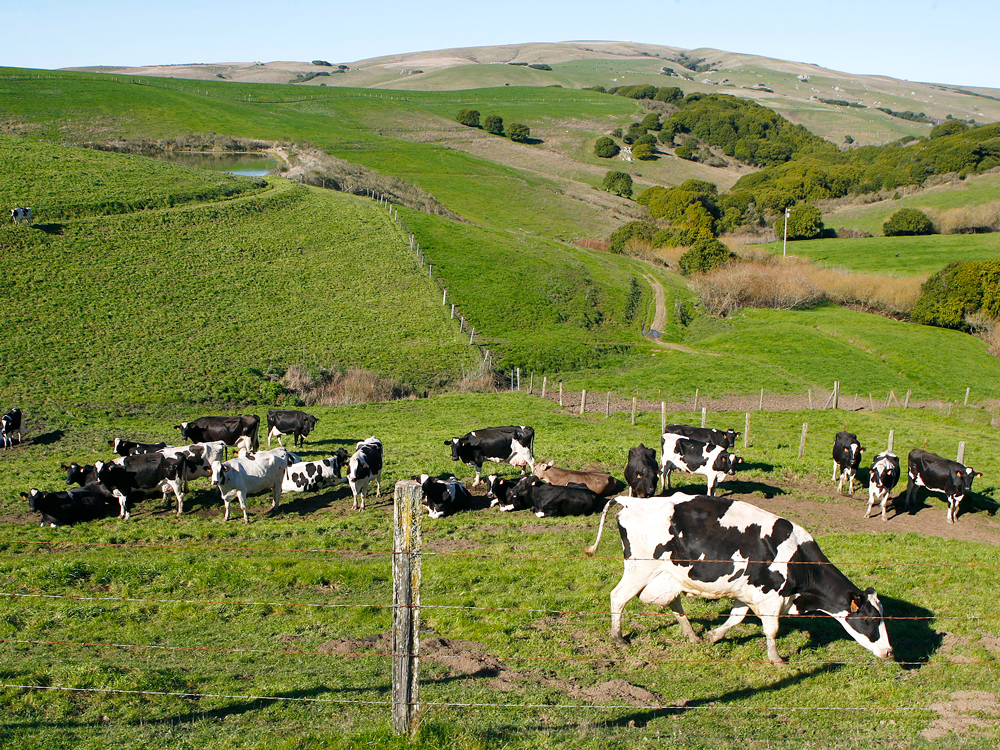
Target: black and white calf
point(641, 472)
point(710, 435)
point(713, 462)
point(313, 476)
point(298, 424)
point(72, 506)
point(10, 423)
point(127, 478)
point(21, 214)
point(498, 490)
point(846, 459)
point(882, 478)
point(364, 466)
point(442, 497)
point(547, 500)
point(941, 475)
point(512, 445)
point(717, 548)
point(129, 448)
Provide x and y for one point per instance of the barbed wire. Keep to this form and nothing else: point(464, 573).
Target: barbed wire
point(193, 695)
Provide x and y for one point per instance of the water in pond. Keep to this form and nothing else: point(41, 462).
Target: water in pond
point(245, 164)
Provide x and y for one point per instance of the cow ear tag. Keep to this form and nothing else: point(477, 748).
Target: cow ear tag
point(854, 605)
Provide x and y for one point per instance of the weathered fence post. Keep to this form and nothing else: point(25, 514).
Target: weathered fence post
point(810, 399)
point(892, 438)
point(760, 406)
point(472, 335)
point(871, 402)
point(663, 417)
point(961, 452)
point(802, 440)
point(452, 311)
point(511, 381)
point(560, 393)
point(967, 388)
point(704, 414)
point(531, 383)
point(545, 381)
point(406, 605)
point(836, 394)
point(696, 393)
point(444, 299)
point(634, 400)
point(906, 403)
point(746, 431)
point(518, 378)
point(583, 400)
point(607, 406)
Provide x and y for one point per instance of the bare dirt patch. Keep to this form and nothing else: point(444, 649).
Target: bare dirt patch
point(955, 715)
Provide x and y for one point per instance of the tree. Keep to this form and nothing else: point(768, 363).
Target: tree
point(948, 128)
point(805, 222)
point(651, 121)
point(518, 131)
point(619, 183)
point(706, 254)
point(647, 138)
point(493, 124)
point(644, 151)
point(606, 148)
point(468, 117)
point(908, 222)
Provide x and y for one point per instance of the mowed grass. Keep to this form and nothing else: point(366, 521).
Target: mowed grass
point(207, 615)
point(199, 303)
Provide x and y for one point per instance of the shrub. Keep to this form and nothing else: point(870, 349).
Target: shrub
point(540, 66)
point(634, 230)
point(684, 151)
point(651, 121)
point(322, 62)
point(646, 138)
point(669, 94)
point(706, 254)
point(493, 124)
point(468, 117)
point(619, 183)
point(606, 148)
point(519, 132)
point(957, 290)
point(644, 151)
point(805, 222)
point(907, 222)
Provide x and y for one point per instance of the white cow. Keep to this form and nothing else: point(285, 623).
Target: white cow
point(244, 476)
point(200, 457)
point(21, 214)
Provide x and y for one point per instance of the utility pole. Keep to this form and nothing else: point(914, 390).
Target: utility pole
point(784, 245)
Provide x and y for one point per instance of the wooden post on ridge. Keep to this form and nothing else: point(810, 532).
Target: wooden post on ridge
point(545, 382)
point(663, 417)
point(407, 510)
point(906, 403)
point(967, 388)
point(761, 406)
point(961, 452)
point(531, 382)
point(634, 399)
point(560, 393)
point(746, 431)
point(607, 406)
point(696, 392)
point(583, 400)
point(704, 413)
point(802, 440)
point(892, 438)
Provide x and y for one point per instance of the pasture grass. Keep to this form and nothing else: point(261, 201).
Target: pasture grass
point(293, 605)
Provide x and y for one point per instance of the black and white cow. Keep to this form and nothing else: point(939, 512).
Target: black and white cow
point(10, 423)
point(298, 424)
point(130, 476)
point(717, 548)
point(498, 490)
point(512, 445)
point(882, 479)
point(129, 448)
point(226, 429)
point(21, 214)
point(72, 506)
point(442, 497)
point(313, 476)
point(941, 475)
point(199, 458)
point(364, 466)
point(548, 500)
point(642, 473)
point(846, 459)
point(713, 462)
point(710, 435)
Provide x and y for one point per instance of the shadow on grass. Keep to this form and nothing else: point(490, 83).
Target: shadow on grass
point(48, 438)
point(972, 503)
point(50, 228)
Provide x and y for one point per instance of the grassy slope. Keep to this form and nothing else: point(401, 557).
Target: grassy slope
point(192, 589)
point(180, 304)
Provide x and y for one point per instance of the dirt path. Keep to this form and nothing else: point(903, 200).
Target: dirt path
point(660, 320)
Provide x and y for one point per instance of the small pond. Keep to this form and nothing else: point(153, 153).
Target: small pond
point(243, 163)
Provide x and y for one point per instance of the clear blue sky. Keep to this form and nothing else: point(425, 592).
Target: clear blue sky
point(944, 41)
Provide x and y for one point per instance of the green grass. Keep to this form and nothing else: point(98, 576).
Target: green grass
point(896, 256)
point(527, 596)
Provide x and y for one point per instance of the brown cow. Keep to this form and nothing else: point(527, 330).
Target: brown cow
point(594, 479)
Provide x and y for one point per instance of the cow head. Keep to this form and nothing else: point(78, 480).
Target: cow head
point(726, 462)
point(964, 479)
point(643, 474)
point(183, 427)
point(75, 473)
point(518, 495)
point(455, 444)
point(308, 425)
point(731, 437)
point(31, 497)
point(219, 470)
point(864, 622)
point(540, 469)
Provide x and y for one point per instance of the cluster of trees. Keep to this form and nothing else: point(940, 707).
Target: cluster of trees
point(908, 222)
point(516, 131)
point(958, 290)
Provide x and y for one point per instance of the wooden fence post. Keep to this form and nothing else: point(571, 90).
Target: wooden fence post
point(444, 298)
point(967, 388)
point(704, 413)
point(545, 382)
point(802, 440)
point(871, 402)
point(663, 417)
point(406, 605)
point(836, 394)
point(810, 399)
point(472, 335)
point(634, 399)
point(583, 400)
point(607, 406)
point(746, 431)
point(560, 393)
point(696, 392)
point(761, 406)
point(961, 452)
point(453, 311)
point(511, 381)
point(906, 403)
point(518, 378)
point(531, 382)
point(892, 438)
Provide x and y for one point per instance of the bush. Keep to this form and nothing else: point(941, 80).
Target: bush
point(958, 290)
point(651, 121)
point(634, 230)
point(684, 151)
point(606, 148)
point(519, 132)
point(493, 124)
point(669, 94)
point(647, 138)
point(468, 117)
point(805, 222)
point(907, 222)
point(322, 62)
point(706, 254)
point(540, 66)
point(644, 151)
point(619, 183)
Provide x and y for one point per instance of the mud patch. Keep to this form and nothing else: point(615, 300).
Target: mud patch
point(954, 714)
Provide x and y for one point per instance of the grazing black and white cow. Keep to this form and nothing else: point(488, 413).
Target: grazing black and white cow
point(941, 475)
point(226, 429)
point(882, 478)
point(73, 506)
point(21, 214)
point(364, 466)
point(548, 500)
point(442, 497)
point(313, 476)
point(10, 423)
point(717, 548)
point(642, 473)
point(713, 462)
point(846, 459)
point(710, 435)
point(512, 445)
point(129, 448)
point(243, 476)
point(298, 424)
point(130, 476)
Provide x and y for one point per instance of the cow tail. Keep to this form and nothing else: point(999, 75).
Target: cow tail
point(589, 551)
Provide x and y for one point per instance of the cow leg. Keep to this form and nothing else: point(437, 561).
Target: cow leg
point(871, 502)
point(122, 501)
point(627, 588)
point(850, 484)
point(769, 624)
point(736, 615)
point(710, 486)
point(885, 500)
point(910, 488)
point(952, 509)
point(243, 506)
point(276, 497)
point(835, 467)
point(683, 621)
point(630, 490)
